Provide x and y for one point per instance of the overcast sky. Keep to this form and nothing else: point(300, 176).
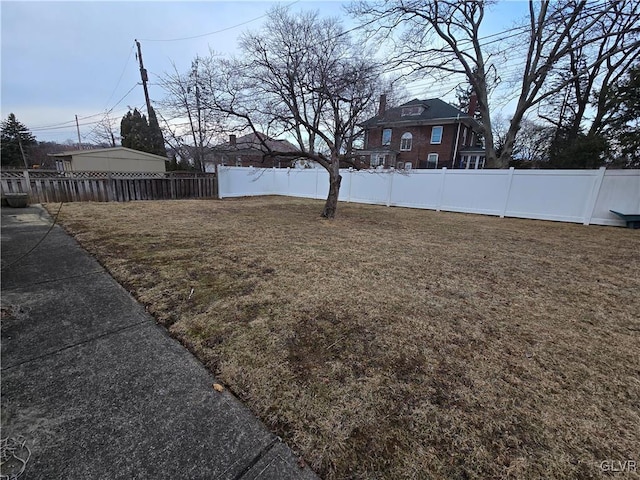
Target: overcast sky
point(61, 59)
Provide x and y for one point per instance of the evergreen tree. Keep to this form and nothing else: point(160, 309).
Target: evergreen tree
point(155, 134)
point(624, 127)
point(134, 131)
point(569, 150)
point(141, 135)
point(171, 165)
point(16, 141)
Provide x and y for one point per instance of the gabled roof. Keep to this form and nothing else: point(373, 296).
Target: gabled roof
point(433, 111)
point(252, 142)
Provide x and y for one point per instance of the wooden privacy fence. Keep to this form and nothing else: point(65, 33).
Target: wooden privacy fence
point(52, 186)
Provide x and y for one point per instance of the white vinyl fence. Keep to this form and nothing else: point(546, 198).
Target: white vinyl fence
point(580, 196)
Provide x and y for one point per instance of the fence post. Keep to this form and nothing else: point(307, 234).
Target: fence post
point(350, 182)
point(218, 181)
point(593, 196)
point(389, 190)
point(172, 185)
point(506, 198)
point(110, 194)
point(441, 194)
point(27, 182)
point(288, 193)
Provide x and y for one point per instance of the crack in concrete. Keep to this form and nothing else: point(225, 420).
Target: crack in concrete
point(88, 340)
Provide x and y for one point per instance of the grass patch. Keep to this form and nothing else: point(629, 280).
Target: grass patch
point(397, 343)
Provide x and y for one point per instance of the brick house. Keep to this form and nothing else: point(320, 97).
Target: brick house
point(423, 134)
point(249, 151)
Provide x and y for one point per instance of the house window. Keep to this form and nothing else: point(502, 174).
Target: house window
point(432, 160)
point(378, 160)
point(473, 162)
point(436, 134)
point(464, 136)
point(408, 165)
point(399, 165)
point(415, 110)
point(386, 136)
point(405, 142)
point(238, 162)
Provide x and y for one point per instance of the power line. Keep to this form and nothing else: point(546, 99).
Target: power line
point(124, 69)
point(125, 96)
point(71, 123)
point(211, 33)
point(64, 123)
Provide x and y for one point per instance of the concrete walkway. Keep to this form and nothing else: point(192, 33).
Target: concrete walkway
point(98, 390)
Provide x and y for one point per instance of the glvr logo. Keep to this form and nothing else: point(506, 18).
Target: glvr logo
point(615, 466)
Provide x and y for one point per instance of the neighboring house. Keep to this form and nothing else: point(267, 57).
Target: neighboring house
point(250, 151)
point(423, 134)
point(117, 159)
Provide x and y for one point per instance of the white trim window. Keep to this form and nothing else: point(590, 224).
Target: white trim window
point(436, 135)
point(472, 162)
point(379, 160)
point(405, 142)
point(432, 160)
point(412, 110)
point(386, 136)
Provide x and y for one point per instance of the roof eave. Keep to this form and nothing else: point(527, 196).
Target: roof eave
point(426, 121)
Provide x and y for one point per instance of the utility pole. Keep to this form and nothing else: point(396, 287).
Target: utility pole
point(199, 163)
point(145, 78)
point(78, 129)
point(157, 139)
point(24, 158)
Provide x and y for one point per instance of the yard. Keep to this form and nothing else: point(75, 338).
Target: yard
point(395, 343)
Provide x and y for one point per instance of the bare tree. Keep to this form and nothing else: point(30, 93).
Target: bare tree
point(103, 132)
point(532, 143)
point(301, 77)
point(444, 36)
point(590, 70)
point(439, 38)
point(189, 125)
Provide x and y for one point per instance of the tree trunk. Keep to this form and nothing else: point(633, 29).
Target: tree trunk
point(331, 205)
point(510, 137)
point(491, 161)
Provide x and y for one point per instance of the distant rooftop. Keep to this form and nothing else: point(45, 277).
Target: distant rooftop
point(254, 141)
point(418, 111)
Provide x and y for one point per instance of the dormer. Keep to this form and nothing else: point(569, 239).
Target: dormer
point(412, 110)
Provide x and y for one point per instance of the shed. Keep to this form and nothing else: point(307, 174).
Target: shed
point(116, 159)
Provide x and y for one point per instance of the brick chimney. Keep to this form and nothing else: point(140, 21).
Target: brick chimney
point(473, 104)
point(232, 140)
point(383, 104)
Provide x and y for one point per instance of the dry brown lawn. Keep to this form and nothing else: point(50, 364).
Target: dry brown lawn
point(395, 343)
